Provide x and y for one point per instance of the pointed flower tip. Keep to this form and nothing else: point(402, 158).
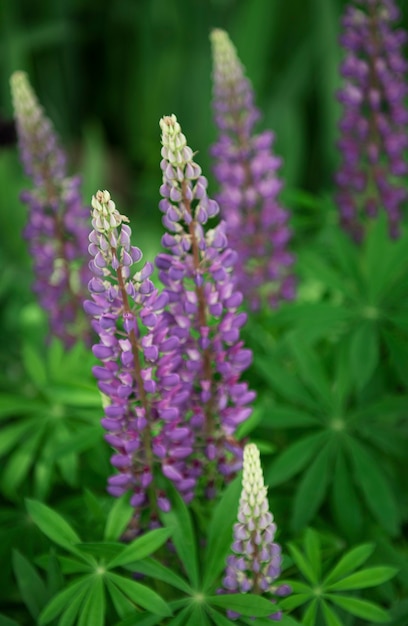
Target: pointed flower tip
point(105, 216)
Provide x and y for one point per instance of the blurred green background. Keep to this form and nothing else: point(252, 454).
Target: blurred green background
point(107, 71)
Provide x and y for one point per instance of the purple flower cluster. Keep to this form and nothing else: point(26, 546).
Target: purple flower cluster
point(246, 170)
point(256, 560)
point(197, 274)
point(373, 126)
point(139, 364)
point(57, 228)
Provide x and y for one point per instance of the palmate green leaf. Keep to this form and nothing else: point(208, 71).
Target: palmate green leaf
point(101, 549)
point(147, 619)
point(197, 617)
point(34, 366)
point(118, 518)
point(302, 563)
point(64, 599)
point(293, 602)
point(141, 547)
point(294, 458)
point(12, 406)
point(364, 352)
point(286, 620)
point(346, 503)
point(245, 604)
point(220, 532)
point(13, 434)
point(350, 562)
point(179, 521)
point(313, 486)
point(141, 595)
point(53, 525)
point(154, 569)
point(72, 566)
point(93, 608)
point(329, 615)
point(217, 618)
point(30, 584)
point(315, 265)
point(314, 320)
point(374, 486)
point(369, 577)
point(360, 608)
point(74, 443)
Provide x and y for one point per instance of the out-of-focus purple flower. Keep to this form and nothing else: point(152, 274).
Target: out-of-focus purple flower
point(373, 128)
point(139, 370)
point(246, 170)
point(57, 228)
point(255, 563)
point(198, 274)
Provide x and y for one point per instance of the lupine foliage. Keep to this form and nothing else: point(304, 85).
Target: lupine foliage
point(196, 370)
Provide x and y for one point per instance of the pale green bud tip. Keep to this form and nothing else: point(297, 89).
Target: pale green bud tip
point(252, 479)
point(227, 65)
point(24, 99)
point(175, 148)
point(105, 216)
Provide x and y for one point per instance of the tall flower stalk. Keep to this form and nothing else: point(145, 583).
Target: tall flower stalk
point(57, 228)
point(139, 363)
point(373, 128)
point(256, 560)
point(247, 172)
point(198, 274)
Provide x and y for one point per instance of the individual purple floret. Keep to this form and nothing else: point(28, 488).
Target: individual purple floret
point(373, 127)
point(246, 170)
point(255, 563)
point(198, 274)
point(58, 223)
point(139, 367)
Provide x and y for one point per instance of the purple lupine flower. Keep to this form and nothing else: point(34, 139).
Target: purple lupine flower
point(57, 228)
point(256, 560)
point(198, 276)
point(139, 356)
point(246, 170)
point(373, 127)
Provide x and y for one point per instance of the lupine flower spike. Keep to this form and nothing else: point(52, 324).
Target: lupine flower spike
point(256, 560)
point(246, 170)
point(198, 273)
point(139, 361)
point(57, 228)
point(373, 127)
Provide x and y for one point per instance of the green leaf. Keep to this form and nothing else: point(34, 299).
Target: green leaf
point(179, 521)
point(118, 518)
point(309, 616)
point(154, 569)
point(6, 621)
point(283, 382)
point(19, 464)
point(360, 608)
point(313, 553)
point(93, 609)
point(72, 566)
point(141, 547)
point(364, 353)
point(294, 458)
point(311, 371)
point(288, 417)
point(292, 602)
point(312, 488)
point(350, 562)
point(30, 584)
point(101, 549)
point(218, 618)
point(63, 599)
point(346, 503)
point(68, 617)
point(13, 434)
point(12, 406)
point(34, 366)
point(303, 564)
point(370, 577)
point(122, 604)
point(374, 486)
point(141, 595)
point(220, 532)
point(52, 524)
point(329, 615)
point(245, 604)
